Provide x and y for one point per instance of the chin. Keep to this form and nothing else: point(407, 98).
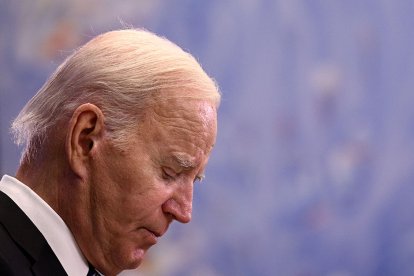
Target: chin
point(128, 259)
point(136, 258)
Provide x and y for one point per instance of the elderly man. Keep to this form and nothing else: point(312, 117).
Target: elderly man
point(115, 140)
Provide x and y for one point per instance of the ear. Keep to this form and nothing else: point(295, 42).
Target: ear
point(85, 131)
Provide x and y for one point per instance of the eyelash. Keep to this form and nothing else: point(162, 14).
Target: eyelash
point(172, 175)
point(199, 179)
point(168, 175)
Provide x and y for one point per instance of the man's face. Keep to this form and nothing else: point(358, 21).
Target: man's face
point(136, 193)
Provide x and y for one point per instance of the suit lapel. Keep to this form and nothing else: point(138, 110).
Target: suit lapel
point(29, 238)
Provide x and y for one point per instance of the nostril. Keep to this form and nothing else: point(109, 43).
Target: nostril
point(184, 214)
point(181, 213)
point(169, 207)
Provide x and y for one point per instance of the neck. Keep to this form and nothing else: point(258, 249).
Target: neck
point(66, 194)
point(44, 179)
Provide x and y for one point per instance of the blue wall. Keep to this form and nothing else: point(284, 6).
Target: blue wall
point(313, 169)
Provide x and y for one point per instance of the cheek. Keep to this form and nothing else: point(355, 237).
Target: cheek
point(139, 207)
point(145, 203)
point(131, 192)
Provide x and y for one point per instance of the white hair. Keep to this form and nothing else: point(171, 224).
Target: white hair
point(122, 72)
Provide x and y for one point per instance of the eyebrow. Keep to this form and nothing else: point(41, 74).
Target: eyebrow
point(184, 161)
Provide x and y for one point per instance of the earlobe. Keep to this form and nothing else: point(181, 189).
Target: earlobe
point(85, 130)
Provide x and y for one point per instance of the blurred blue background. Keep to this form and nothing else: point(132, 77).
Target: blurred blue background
point(313, 169)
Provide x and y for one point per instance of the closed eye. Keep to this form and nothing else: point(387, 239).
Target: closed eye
point(168, 173)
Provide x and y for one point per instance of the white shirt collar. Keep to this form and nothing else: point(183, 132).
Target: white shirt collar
point(49, 223)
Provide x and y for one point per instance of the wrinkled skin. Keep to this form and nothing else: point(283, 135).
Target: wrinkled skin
point(133, 195)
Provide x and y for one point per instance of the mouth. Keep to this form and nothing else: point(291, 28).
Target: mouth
point(153, 235)
point(156, 233)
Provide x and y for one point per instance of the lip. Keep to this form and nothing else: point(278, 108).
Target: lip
point(157, 232)
point(152, 236)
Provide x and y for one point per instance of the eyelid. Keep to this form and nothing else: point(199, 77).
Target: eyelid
point(169, 172)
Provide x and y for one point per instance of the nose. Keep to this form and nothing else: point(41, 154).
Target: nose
point(180, 205)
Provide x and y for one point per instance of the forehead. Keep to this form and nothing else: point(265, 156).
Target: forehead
point(185, 108)
point(182, 122)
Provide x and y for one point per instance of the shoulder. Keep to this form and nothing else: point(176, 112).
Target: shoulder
point(12, 260)
point(5, 268)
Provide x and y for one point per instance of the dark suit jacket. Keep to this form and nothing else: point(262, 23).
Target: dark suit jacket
point(23, 249)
